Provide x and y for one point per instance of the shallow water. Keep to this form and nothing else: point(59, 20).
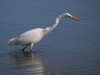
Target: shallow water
point(73, 48)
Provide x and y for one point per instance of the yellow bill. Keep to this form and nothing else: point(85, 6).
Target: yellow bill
point(73, 17)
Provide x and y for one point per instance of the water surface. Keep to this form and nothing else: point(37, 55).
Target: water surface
point(73, 48)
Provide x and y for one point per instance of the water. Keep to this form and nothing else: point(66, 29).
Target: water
point(73, 48)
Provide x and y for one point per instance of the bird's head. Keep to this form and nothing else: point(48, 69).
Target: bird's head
point(71, 16)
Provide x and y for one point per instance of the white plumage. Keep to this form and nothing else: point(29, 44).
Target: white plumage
point(31, 36)
point(35, 35)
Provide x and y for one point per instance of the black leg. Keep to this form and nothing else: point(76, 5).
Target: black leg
point(25, 47)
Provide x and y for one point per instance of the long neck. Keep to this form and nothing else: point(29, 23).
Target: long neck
point(49, 29)
point(57, 21)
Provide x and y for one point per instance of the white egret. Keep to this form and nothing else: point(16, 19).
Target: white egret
point(33, 36)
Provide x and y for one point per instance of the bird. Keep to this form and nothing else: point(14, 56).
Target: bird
point(33, 36)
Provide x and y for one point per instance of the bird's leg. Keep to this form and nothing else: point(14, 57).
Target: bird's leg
point(25, 47)
point(31, 46)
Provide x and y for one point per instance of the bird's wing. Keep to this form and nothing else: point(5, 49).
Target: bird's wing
point(31, 36)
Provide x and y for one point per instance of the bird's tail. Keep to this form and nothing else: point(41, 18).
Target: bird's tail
point(11, 41)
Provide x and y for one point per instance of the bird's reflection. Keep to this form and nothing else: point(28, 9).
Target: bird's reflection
point(31, 64)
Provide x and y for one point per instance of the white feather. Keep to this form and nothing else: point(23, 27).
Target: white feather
point(31, 36)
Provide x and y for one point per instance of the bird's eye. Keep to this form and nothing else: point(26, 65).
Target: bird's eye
point(68, 16)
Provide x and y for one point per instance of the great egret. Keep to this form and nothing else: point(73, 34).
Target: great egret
point(33, 36)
